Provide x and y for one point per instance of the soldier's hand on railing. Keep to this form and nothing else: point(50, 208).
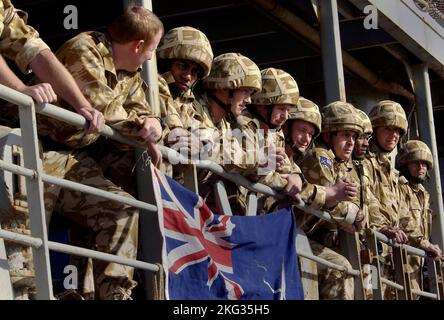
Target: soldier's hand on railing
point(94, 117)
point(151, 130)
point(394, 233)
point(41, 93)
point(293, 187)
point(434, 251)
point(343, 190)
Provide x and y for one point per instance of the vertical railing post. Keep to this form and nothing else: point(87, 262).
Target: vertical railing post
point(350, 248)
point(402, 275)
point(34, 187)
point(332, 52)
point(432, 278)
point(376, 267)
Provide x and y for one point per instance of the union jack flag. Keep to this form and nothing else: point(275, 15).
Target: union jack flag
point(211, 256)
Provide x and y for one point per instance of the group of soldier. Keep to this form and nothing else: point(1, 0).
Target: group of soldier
point(335, 158)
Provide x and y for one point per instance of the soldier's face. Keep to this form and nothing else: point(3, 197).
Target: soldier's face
point(388, 137)
point(417, 169)
point(279, 114)
point(301, 134)
point(361, 145)
point(144, 51)
point(185, 73)
point(241, 97)
point(343, 143)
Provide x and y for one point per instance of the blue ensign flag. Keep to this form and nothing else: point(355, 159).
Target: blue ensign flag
point(210, 256)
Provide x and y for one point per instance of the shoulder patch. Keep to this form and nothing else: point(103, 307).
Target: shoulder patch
point(326, 162)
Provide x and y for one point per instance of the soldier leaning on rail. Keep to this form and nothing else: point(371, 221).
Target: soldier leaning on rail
point(184, 57)
point(368, 201)
point(21, 43)
point(389, 125)
point(263, 121)
point(301, 128)
point(106, 66)
point(414, 161)
point(329, 162)
point(227, 91)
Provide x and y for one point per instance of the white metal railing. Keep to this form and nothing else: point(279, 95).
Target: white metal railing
point(34, 173)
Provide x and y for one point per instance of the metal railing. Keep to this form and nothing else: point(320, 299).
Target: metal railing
point(35, 177)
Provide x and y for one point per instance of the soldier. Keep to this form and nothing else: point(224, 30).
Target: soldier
point(21, 44)
point(329, 162)
point(302, 127)
point(184, 57)
point(107, 68)
point(264, 120)
point(389, 125)
point(414, 161)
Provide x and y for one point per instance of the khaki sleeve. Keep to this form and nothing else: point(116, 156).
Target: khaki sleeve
point(314, 196)
point(410, 218)
point(168, 108)
point(19, 41)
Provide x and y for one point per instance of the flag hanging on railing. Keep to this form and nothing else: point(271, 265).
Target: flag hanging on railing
point(210, 256)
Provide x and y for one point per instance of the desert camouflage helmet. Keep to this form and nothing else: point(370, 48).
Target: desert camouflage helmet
point(388, 113)
point(189, 44)
point(308, 111)
point(233, 71)
point(278, 87)
point(414, 150)
point(366, 123)
point(338, 116)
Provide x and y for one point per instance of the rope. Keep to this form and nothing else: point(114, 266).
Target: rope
point(159, 283)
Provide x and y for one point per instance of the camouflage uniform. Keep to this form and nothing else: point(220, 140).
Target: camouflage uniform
point(313, 195)
point(278, 87)
point(384, 180)
point(321, 167)
point(20, 43)
point(185, 43)
point(229, 71)
point(120, 96)
point(417, 224)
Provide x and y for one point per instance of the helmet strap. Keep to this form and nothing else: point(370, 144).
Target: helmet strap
point(266, 120)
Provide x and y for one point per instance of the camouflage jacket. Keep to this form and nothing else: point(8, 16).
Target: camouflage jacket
point(257, 140)
point(313, 195)
point(119, 95)
point(417, 220)
point(18, 41)
point(322, 168)
point(368, 201)
point(383, 182)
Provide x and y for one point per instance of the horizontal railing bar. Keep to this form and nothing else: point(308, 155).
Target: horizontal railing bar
point(18, 169)
point(171, 154)
point(98, 192)
point(328, 263)
point(79, 121)
point(15, 97)
point(392, 284)
point(21, 238)
point(410, 250)
point(425, 294)
point(78, 186)
point(61, 247)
